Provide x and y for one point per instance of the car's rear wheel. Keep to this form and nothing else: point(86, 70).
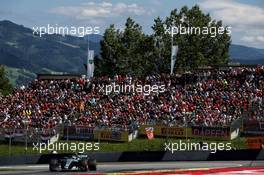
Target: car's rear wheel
point(92, 165)
point(83, 165)
point(54, 165)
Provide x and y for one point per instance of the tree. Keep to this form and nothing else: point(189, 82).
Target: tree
point(5, 86)
point(137, 50)
point(110, 52)
point(132, 52)
point(126, 52)
point(162, 46)
point(196, 49)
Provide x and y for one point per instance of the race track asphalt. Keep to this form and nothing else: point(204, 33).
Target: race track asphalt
point(119, 167)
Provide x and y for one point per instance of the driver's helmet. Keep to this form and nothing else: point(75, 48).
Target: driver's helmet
point(79, 153)
point(54, 152)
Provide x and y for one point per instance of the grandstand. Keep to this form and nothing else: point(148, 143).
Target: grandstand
point(215, 98)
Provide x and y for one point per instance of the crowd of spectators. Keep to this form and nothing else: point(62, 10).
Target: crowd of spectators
point(206, 97)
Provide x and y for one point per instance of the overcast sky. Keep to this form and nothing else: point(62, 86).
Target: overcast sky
point(245, 17)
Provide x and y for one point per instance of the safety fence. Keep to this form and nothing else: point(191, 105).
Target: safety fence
point(97, 134)
point(29, 134)
point(80, 132)
point(196, 132)
point(90, 133)
point(253, 127)
point(201, 132)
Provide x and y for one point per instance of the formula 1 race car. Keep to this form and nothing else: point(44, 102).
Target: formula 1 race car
point(78, 162)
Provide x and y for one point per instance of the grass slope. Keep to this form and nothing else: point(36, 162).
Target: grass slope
point(18, 76)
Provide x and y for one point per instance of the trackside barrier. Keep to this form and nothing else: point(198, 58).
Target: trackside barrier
point(164, 131)
point(203, 132)
point(142, 156)
point(112, 135)
point(186, 156)
point(29, 135)
point(91, 133)
point(252, 127)
point(223, 133)
point(260, 155)
point(248, 154)
point(211, 132)
point(254, 142)
point(230, 155)
point(19, 159)
point(78, 133)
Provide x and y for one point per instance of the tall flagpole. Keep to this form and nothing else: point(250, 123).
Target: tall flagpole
point(87, 69)
point(174, 50)
point(171, 50)
point(172, 35)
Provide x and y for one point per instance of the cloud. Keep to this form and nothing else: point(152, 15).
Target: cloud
point(243, 18)
point(255, 40)
point(92, 10)
point(234, 13)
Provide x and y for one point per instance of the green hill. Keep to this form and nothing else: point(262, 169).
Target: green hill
point(19, 48)
point(19, 76)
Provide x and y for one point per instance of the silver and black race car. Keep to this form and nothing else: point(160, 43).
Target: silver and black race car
point(78, 162)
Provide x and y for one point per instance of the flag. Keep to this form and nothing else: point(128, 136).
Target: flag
point(90, 64)
point(174, 50)
point(150, 133)
point(82, 106)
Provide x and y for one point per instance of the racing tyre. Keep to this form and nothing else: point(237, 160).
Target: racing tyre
point(83, 165)
point(92, 165)
point(54, 165)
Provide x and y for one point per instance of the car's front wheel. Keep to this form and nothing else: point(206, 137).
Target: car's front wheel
point(54, 165)
point(83, 165)
point(92, 164)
